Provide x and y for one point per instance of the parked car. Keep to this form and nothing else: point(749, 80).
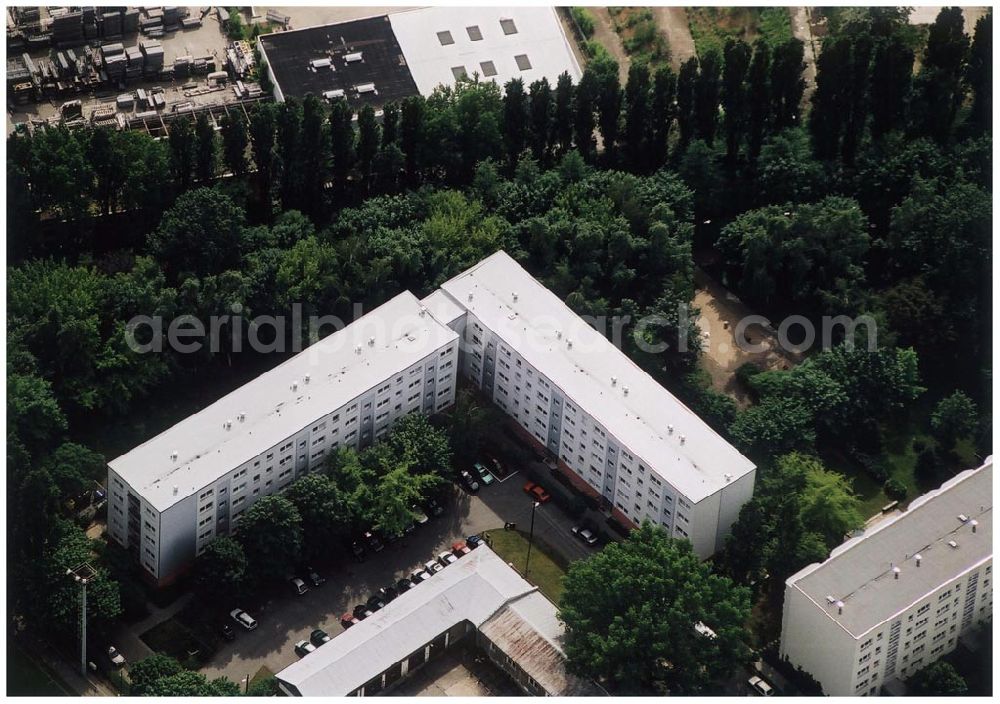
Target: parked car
point(358, 550)
point(227, 632)
point(243, 618)
point(303, 648)
point(474, 541)
point(760, 686)
point(537, 492)
point(361, 612)
point(375, 603)
point(315, 577)
point(404, 585)
point(419, 517)
point(484, 474)
point(298, 585)
point(373, 542)
point(496, 468)
point(433, 567)
point(585, 534)
point(387, 594)
point(460, 548)
point(348, 620)
point(433, 508)
point(470, 484)
point(319, 636)
point(419, 576)
point(116, 658)
point(446, 558)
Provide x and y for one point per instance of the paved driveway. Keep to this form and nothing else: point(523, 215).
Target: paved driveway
point(283, 622)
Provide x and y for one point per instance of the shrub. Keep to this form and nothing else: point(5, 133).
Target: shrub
point(584, 21)
point(894, 489)
point(873, 465)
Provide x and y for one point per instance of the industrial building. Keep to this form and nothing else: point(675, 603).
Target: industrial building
point(480, 600)
point(611, 429)
point(388, 57)
point(898, 597)
point(172, 495)
point(614, 432)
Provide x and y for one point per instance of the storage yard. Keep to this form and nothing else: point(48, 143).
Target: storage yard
point(127, 68)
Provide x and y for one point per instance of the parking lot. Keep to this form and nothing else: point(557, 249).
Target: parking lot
point(286, 620)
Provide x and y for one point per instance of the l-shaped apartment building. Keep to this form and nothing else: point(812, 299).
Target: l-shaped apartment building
point(617, 434)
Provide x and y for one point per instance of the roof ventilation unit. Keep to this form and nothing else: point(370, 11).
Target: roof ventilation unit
point(354, 58)
point(728, 477)
point(569, 344)
point(682, 439)
point(830, 599)
point(963, 518)
point(423, 311)
point(295, 386)
point(918, 557)
point(357, 349)
point(895, 572)
point(306, 378)
point(371, 341)
point(840, 607)
point(173, 455)
point(228, 424)
point(470, 295)
point(333, 94)
point(558, 334)
point(952, 543)
point(614, 381)
point(973, 523)
point(317, 64)
point(176, 489)
point(625, 391)
point(365, 88)
point(514, 296)
point(241, 417)
point(670, 430)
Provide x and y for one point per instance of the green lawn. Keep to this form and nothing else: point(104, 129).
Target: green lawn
point(28, 678)
point(545, 571)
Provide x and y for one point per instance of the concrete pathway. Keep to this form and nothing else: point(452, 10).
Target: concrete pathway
point(801, 30)
point(128, 637)
point(673, 22)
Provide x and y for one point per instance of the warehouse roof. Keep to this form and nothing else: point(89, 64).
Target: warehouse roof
point(477, 588)
point(279, 403)
point(860, 573)
point(443, 43)
point(647, 419)
point(342, 56)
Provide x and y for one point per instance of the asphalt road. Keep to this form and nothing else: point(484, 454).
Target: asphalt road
point(285, 621)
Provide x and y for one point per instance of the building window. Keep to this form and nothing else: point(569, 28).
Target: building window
point(474, 34)
point(508, 27)
point(489, 69)
point(445, 38)
point(522, 62)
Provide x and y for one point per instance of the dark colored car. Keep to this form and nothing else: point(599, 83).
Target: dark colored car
point(315, 578)
point(227, 632)
point(433, 508)
point(361, 612)
point(482, 474)
point(375, 603)
point(348, 620)
point(403, 585)
point(388, 594)
point(474, 541)
point(319, 636)
point(420, 575)
point(358, 550)
point(470, 484)
point(373, 542)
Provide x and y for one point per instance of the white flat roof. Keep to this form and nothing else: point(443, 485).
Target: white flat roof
point(475, 589)
point(207, 451)
point(859, 573)
point(539, 37)
point(594, 374)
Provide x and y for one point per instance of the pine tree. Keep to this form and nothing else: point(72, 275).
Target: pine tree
point(609, 111)
point(637, 117)
point(541, 109)
point(583, 115)
point(759, 89)
point(706, 96)
point(787, 84)
point(515, 121)
point(892, 80)
point(411, 135)
point(686, 81)
point(564, 121)
point(664, 112)
point(979, 74)
point(734, 95)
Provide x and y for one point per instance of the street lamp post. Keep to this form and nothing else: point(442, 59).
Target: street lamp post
point(83, 574)
point(531, 536)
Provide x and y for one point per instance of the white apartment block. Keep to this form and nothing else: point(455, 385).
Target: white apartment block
point(618, 435)
point(898, 597)
point(171, 496)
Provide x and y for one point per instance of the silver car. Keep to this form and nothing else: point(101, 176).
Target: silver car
point(244, 619)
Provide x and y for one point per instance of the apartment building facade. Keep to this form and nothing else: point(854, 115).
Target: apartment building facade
point(616, 433)
point(171, 496)
point(897, 598)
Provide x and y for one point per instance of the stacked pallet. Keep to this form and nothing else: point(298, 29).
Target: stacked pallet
point(130, 21)
point(111, 24)
point(152, 52)
point(67, 28)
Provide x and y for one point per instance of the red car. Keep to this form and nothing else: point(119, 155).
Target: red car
point(537, 491)
point(460, 548)
point(348, 620)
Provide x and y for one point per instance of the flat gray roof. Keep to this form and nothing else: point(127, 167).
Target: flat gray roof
point(477, 588)
point(599, 378)
point(403, 335)
point(860, 572)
